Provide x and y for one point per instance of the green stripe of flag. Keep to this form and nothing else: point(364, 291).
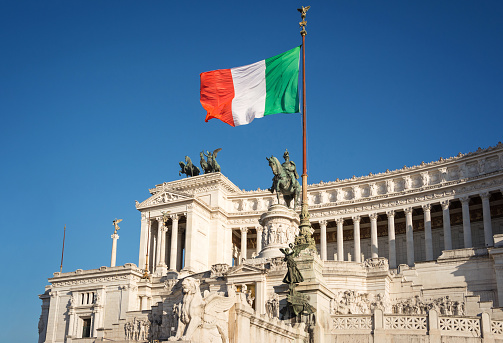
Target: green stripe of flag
point(282, 83)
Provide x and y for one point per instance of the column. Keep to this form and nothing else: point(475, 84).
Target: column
point(447, 225)
point(323, 239)
point(190, 243)
point(428, 238)
point(115, 237)
point(356, 233)
point(180, 262)
point(162, 270)
point(409, 233)
point(174, 242)
point(244, 231)
point(259, 230)
point(373, 236)
point(340, 239)
point(391, 239)
point(159, 243)
point(467, 230)
point(486, 209)
point(143, 241)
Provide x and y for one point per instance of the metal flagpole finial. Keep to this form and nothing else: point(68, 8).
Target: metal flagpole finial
point(303, 23)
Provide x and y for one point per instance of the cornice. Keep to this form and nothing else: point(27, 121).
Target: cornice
point(129, 271)
point(496, 150)
point(198, 184)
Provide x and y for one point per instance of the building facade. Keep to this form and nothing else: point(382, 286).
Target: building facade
point(420, 245)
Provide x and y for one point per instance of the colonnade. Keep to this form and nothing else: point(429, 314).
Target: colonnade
point(409, 229)
point(391, 234)
point(160, 238)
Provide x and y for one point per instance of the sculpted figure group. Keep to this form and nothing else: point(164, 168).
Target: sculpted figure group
point(137, 329)
point(351, 302)
point(202, 319)
point(208, 165)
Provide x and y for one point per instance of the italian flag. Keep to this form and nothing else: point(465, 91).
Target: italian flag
point(236, 96)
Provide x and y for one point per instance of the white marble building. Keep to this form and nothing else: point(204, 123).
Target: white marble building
point(422, 245)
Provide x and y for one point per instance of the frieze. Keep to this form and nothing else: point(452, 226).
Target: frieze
point(161, 198)
point(95, 280)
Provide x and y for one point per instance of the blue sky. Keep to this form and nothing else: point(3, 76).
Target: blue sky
point(99, 100)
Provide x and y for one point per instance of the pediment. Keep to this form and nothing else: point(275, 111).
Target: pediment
point(162, 198)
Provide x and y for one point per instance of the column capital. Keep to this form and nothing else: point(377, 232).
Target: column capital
point(339, 220)
point(356, 219)
point(114, 236)
point(243, 229)
point(464, 199)
point(390, 213)
point(485, 195)
point(373, 216)
point(445, 205)
point(322, 222)
point(259, 228)
point(408, 210)
point(160, 221)
point(426, 207)
point(174, 216)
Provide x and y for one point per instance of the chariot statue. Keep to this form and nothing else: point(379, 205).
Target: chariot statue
point(210, 165)
point(188, 168)
point(285, 179)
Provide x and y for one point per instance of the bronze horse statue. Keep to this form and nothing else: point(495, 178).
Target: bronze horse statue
point(205, 165)
point(188, 168)
point(283, 183)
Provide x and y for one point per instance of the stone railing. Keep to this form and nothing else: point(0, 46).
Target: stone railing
point(250, 327)
point(438, 328)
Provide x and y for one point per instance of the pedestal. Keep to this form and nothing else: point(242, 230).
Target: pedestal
point(281, 225)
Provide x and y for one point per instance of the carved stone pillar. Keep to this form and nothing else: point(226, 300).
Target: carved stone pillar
point(115, 237)
point(52, 318)
point(323, 239)
point(409, 233)
point(447, 225)
point(486, 209)
point(356, 233)
point(340, 239)
point(467, 230)
point(259, 229)
point(174, 242)
point(391, 239)
point(373, 236)
point(428, 238)
point(244, 232)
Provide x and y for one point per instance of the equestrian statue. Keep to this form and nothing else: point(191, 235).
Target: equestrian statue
point(188, 168)
point(285, 179)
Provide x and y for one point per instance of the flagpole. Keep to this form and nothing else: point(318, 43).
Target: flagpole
point(62, 250)
point(305, 225)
